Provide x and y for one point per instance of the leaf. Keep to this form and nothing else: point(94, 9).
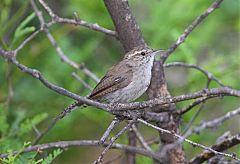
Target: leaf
point(27, 125)
point(22, 30)
point(11, 159)
point(52, 156)
point(25, 22)
point(20, 115)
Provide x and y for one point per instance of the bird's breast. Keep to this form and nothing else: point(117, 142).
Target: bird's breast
point(138, 85)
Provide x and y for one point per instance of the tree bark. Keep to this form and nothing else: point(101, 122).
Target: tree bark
point(126, 26)
point(158, 88)
point(130, 36)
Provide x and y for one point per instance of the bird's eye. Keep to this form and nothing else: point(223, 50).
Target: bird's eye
point(143, 53)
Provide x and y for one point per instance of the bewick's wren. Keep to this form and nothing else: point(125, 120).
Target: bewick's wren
point(127, 80)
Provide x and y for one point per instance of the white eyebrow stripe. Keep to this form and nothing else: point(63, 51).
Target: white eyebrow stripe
point(136, 52)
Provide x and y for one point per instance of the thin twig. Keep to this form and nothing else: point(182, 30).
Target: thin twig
point(213, 92)
point(188, 126)
point(140, 138)
point(36, 130)
point(210, 124)
point(153, 141)
point(100, 158)
point(33, 35)
point(214, 123)
point(54, 121)
point(190, 28)
point(188, 141)
point(68, 144)
point(116, 108)
point(132, 141)
point(195, 103)
point(224, 145)
point(78, 21)
point(113, 124)
point(194, 117)
point(60, 52)
point(84, 69)
point(209, 75)
point(86, 85)
point(216, 159)
point(112, 108)
point(38, 75)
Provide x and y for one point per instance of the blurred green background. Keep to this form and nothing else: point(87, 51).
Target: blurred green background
point(25, 102)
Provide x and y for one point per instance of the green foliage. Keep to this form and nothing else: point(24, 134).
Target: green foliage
point(27, 125)
point(22, 30)
point(14, 133)
point(18, 158)
point(213, 45)
point(11, 139)
point(30, 158)
point(52, 156)
point(8, 19)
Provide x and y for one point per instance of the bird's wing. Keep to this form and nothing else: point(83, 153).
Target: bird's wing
point(119, 76)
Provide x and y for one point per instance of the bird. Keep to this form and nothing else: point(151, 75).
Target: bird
point(127, 80)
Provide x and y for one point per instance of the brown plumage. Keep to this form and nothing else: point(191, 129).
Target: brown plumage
point(127, 80)
point(119, 76)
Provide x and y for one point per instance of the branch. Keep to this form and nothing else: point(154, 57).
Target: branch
point(60, 52)
point(10, 56)
point(222, 146)
point(77, 21)
point(113, 124)
point(128, 31)
point(114, 108)
point(209, 75)
point(86, 85)
point(217, 158)
point(129, 36)
point(132, 141)
point(214, 92)
point(100, 158)
point(195, 103)
point(140, 138)
point(67, 144)
point(193, 118)
point(189, 141)
point(190, 28)
point(214, 123)
point(28, 39)
point(148, 116)
point(54, 121)
point(210, 124)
